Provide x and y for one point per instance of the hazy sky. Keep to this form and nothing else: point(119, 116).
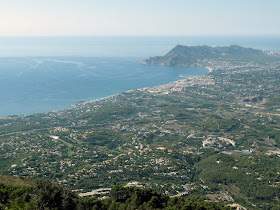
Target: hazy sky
point(138, 17)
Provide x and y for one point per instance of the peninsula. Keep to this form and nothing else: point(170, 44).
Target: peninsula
point(205, 55)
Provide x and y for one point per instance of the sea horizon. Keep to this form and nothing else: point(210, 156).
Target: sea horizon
point(122, 46)
point(50, 86)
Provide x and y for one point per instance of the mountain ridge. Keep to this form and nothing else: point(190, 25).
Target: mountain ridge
point(192, 55)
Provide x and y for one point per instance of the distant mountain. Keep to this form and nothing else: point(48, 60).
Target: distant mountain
point(192, 55)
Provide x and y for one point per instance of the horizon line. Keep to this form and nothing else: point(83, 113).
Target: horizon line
point(198, 35)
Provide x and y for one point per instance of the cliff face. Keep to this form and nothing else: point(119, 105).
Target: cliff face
point(185, 55)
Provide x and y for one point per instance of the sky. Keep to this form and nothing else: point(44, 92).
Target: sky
point(139, 17)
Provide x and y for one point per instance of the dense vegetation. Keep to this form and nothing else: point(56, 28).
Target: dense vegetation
point(249, 174)
point(48, 195)
point(192, 55)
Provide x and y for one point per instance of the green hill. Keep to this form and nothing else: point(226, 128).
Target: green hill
point(16, 181)
point(193, 55)
point(46, 194)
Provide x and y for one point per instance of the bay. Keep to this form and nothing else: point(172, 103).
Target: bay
point(41, 84)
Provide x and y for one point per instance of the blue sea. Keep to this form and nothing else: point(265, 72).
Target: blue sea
point(41, 74)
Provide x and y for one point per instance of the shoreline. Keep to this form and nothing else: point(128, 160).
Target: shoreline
point(176, 83)
point(181, 83)
point(209, 68)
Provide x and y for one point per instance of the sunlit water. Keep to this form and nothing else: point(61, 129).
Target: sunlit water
point(32, 85)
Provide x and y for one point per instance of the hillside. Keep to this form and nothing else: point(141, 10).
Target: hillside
point(216, 137)
point(16, 181)
point(196, 55)
point(45, 194)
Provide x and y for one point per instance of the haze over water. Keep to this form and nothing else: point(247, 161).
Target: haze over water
point(122, 46)
point(87, 68)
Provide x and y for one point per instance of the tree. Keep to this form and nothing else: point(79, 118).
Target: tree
point(49, 195)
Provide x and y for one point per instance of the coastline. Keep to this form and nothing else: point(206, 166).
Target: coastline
point(167, 88)
point(170, 87)
point(176, 85)
point(209, 68)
